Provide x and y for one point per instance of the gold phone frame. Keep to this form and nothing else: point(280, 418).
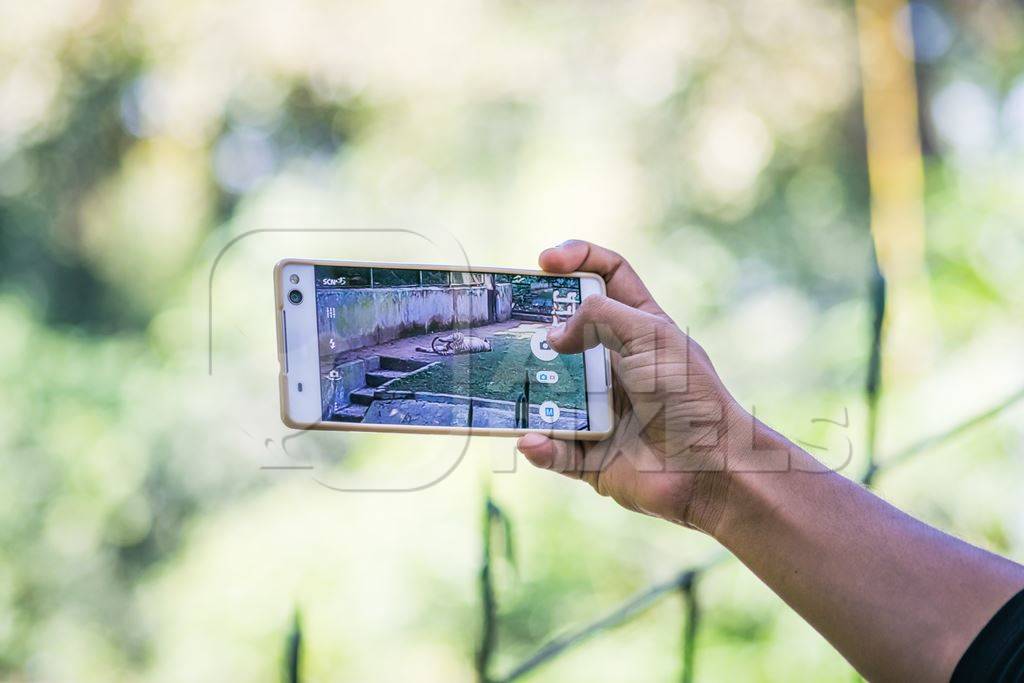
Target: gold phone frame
point(283, 373)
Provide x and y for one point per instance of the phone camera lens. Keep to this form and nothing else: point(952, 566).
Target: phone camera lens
point(295, 296)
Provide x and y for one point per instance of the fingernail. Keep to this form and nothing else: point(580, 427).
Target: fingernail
point(541, 457)
point(531, 440)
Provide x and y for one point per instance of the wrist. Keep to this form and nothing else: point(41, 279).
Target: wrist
point(710, 489)
point(756, 471)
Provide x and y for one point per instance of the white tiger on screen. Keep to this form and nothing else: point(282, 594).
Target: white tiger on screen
point(456, 343)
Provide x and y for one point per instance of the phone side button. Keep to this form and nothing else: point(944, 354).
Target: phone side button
point(284, 336)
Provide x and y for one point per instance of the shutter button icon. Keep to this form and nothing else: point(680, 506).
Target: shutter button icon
point(540, 347)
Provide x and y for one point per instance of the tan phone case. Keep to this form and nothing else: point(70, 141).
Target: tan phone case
point(420, 429)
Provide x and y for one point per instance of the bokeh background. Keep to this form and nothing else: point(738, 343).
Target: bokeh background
point(746, 156)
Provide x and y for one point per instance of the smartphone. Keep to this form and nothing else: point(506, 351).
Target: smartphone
point(392, 347)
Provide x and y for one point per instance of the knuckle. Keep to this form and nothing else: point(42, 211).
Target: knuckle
point(621, 263)
point(665, 329)
point(593, 305)
point(619, 259)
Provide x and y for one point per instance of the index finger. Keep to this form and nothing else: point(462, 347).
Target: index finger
point(622, 281)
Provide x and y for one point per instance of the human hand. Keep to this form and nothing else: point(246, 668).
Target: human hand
point(860, 571)
point(667, 455)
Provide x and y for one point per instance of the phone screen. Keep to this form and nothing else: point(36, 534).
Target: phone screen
point(447, 348)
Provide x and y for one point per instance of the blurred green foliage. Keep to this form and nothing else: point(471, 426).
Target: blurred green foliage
point(720, 146)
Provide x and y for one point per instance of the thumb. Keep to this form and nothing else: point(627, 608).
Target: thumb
point(552, 454)
point(600, 320)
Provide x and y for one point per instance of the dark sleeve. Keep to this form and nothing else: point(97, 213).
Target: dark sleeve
point(997, 654)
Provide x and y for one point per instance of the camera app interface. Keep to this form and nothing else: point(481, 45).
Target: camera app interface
point(447, 348)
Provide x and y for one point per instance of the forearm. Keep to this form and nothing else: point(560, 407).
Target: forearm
point(899, 599)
